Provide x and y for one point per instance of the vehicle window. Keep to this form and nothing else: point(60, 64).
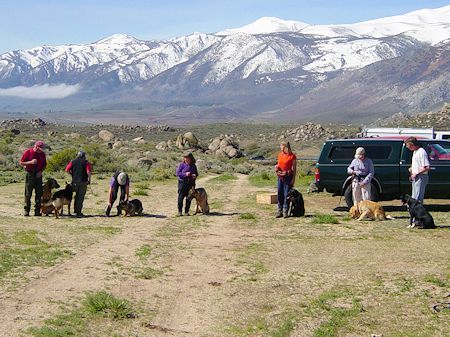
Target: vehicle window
point(373, 152)
point(379, 152)
point(437, 152)
point(342, 152)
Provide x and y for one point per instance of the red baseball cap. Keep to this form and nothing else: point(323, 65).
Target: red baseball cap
point(40, 144)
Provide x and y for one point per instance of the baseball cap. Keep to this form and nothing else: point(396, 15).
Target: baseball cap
point(40, 144)
point(122, 178)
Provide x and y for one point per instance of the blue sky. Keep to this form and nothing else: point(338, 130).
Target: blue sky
point(26, 24)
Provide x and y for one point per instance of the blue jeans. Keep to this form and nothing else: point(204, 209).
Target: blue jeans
point(418, 187)
point(283, 187)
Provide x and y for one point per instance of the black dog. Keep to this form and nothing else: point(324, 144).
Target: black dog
point(295, 201)
point(418, 214)
point(131, 208)
point(61, 198)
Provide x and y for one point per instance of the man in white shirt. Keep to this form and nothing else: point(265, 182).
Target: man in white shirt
point(420, 166)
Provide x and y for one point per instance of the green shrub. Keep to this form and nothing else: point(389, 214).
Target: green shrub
point(263, 179)
point(59, 160)
point(247, 216)
point(324, 219)
point(107, 305)
point(140, 192)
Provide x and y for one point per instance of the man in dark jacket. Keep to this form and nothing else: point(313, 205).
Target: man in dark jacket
point(34, 162)
point(80, 169)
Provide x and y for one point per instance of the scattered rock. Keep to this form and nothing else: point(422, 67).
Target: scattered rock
point(106, 135)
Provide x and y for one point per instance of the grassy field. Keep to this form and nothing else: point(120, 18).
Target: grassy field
point(237, 272)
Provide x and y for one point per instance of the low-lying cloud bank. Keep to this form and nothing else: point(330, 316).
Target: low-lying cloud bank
point(44, 91)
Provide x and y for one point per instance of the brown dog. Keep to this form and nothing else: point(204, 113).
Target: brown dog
point(368, 209)
point(201, 198)
point(61, 198)
point(47, 195)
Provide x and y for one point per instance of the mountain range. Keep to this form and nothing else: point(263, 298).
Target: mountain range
point(271, 69)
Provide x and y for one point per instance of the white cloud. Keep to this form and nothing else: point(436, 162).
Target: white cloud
point(44, 91)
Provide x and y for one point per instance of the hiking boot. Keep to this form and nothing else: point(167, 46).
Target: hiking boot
point(279, 214)
point(108, 211)
point(80, 215)
point(37, 214)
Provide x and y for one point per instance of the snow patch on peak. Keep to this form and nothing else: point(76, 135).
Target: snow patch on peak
point(267, 25)
point(118, 39)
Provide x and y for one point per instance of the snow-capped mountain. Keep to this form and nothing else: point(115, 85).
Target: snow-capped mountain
point(271, 60)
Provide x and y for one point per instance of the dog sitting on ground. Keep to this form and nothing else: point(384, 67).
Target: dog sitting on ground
point(296, 204)
point(201, 197)
point(418, 214)
point(130, 208)
point(47, 196)
point(61, 198)
point(368, 209)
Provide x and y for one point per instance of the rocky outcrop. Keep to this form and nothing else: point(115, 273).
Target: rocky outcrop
point(225, 146)
point(182, 142)
point(311, 131)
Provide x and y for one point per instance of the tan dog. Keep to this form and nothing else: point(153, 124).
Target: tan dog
point(47, 195)
point(368, 209)
point(201, 197)
point(59, 199)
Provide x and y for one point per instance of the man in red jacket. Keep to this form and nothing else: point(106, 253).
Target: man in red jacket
point(34, 162)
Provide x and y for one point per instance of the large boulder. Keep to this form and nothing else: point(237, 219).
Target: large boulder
point(190, 138)
point(162, 146)
point(106, 135)
point(225, 146)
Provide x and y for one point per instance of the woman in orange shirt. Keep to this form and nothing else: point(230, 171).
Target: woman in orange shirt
point(286, 170)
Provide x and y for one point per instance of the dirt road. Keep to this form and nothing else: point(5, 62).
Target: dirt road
point(227, 274)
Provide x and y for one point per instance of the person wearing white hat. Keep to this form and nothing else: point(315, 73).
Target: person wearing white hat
point(362, 170)
point(120, 180)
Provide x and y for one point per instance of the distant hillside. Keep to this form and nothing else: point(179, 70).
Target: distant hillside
point(269, 70)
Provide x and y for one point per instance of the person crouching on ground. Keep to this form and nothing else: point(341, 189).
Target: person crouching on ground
point(119, 180)
point(361, 168)
point(34, 162)
point(80, 170)
point(286, 170)
point(186, 173)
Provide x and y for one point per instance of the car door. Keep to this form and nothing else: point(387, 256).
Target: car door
point(404, 165)
point(439, 174)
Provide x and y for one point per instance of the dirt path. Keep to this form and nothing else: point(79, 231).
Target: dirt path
point(187, 295)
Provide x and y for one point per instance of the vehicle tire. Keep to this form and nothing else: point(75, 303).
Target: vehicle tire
point(348, 196)
point(374, 194)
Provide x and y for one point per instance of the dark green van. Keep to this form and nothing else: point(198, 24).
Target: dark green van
point(391, 160)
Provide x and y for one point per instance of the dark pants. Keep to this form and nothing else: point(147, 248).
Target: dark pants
point(33, 183)
point(283, 186)
point(116, 191)
point(80, 191)
point(183, 190)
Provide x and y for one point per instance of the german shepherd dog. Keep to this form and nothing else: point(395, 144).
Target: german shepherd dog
point(61, 198)
point(47, 195)
point(418, 215)
point(130, 208)
point(368, 209)
point(295, 202)
point(201, 197)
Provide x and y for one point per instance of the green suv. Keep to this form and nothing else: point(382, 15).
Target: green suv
point(391, 160)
